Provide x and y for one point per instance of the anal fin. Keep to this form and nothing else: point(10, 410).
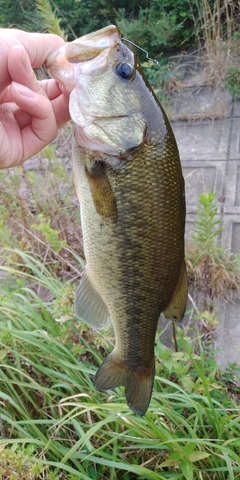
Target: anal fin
point(89, 306)
point(177, 306)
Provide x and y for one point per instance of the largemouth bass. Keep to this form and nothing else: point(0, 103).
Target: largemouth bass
point(131, 190)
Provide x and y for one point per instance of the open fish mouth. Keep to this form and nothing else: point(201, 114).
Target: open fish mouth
point(90, 45)
point(84, 55)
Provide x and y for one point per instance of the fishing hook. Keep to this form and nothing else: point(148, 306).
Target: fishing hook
point(140, 48)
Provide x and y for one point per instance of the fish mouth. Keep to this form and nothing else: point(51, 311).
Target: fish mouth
point(89, 46)
point(87, 54)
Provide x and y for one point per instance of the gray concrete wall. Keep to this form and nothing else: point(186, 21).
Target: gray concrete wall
point(210, 155)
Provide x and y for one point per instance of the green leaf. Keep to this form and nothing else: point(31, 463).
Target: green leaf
point(176, 356)
point(170, 463)
point(187, 449)
point(187, 469)
point(196, 456)
point(187, 383)
point(176, 455)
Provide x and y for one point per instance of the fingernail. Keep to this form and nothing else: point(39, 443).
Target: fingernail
point(22, 90)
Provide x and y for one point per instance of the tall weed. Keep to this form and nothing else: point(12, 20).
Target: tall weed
point(216, 25)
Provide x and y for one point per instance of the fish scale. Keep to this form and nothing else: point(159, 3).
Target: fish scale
point(128, 174)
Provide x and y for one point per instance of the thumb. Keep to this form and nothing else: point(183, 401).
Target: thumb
point(39, 45)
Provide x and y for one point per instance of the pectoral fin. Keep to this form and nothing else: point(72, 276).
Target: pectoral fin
point(89, 306)
point(102, 194)
point(177, 305)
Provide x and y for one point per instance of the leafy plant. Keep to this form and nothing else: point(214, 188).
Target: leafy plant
point(212, 271)
point(233, 80)
point(50, 234)
point(151, 29)
point(158, 24)
point(19, 14)
point(50, 19)
point(207, 225)
point(20, 464)
point(162, 78)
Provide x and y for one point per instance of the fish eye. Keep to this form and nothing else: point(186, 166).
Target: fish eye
point(125, 70)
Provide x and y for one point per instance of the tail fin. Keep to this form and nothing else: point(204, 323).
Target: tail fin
point(138, 381)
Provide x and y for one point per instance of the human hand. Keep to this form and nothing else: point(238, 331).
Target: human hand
point(30, 111)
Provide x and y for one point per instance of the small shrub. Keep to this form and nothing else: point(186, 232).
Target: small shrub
point(233, 81)
point(212, 271)
point(17, 463)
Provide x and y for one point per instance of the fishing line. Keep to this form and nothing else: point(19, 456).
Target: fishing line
point(140, 48)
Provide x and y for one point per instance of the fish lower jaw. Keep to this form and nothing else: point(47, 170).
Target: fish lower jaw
point(85, 140)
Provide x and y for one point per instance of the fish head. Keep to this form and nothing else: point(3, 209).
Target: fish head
point(105, 100)
point(85, 55)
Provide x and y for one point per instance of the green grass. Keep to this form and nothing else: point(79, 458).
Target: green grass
point(55, 425)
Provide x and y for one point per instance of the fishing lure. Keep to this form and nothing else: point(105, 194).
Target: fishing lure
point(140, 48)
